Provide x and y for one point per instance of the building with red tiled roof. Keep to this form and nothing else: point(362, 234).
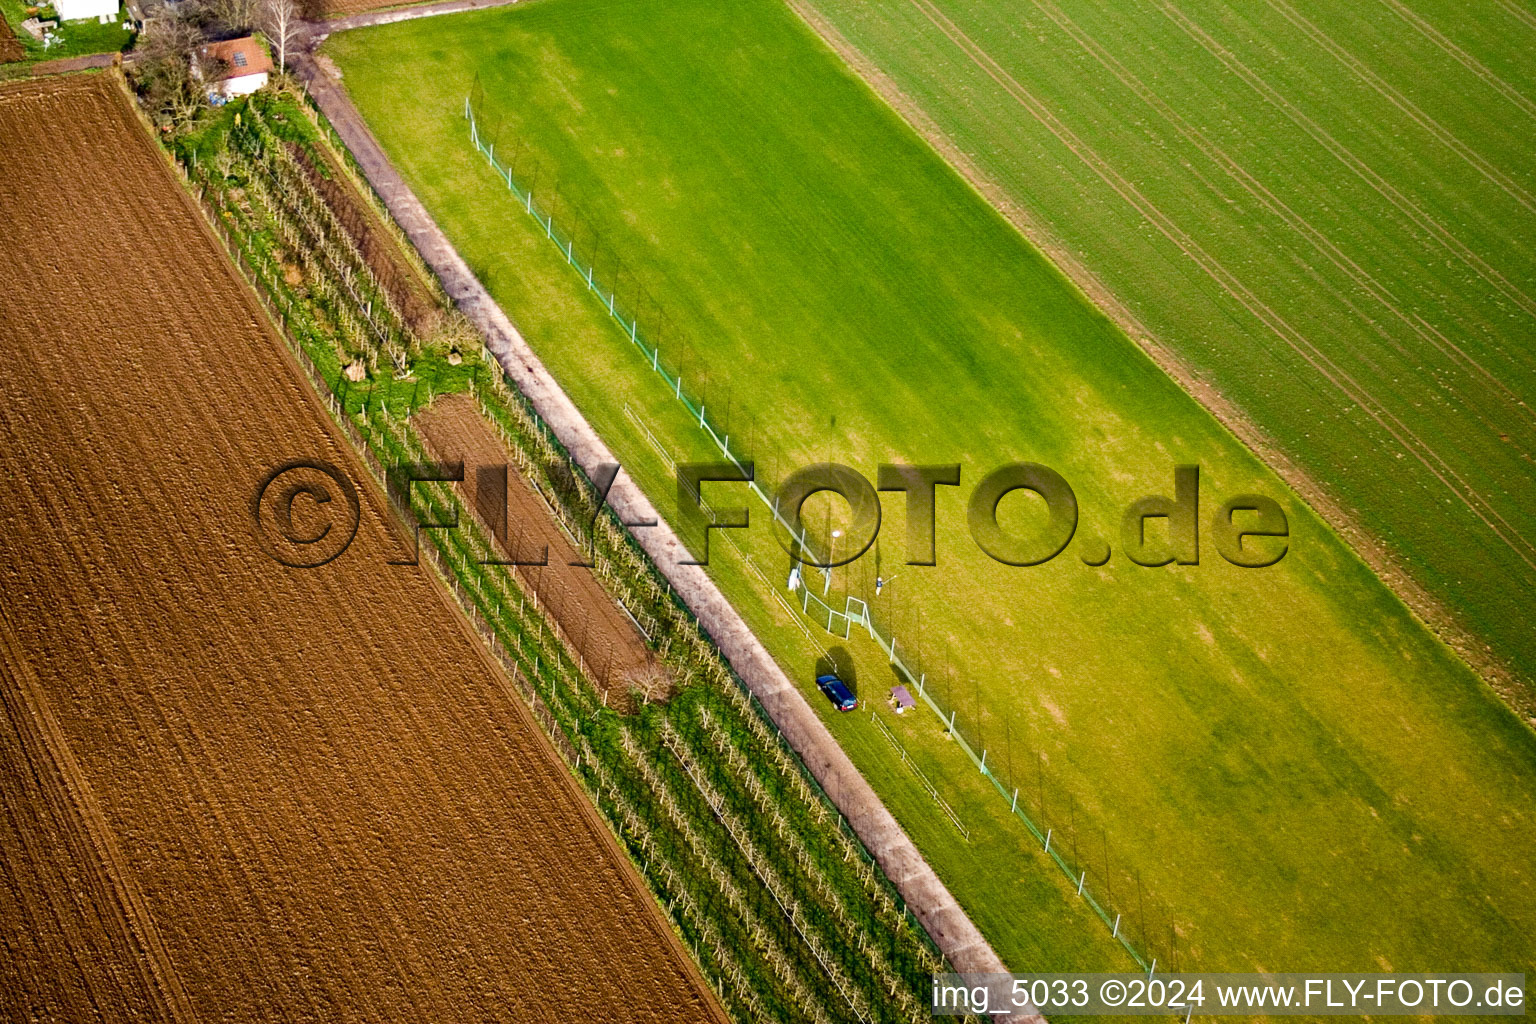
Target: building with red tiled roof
point(243, 66)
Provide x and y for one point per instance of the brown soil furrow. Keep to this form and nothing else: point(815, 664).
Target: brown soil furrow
point(319, 784)
point(53, 764)
point(75, 951)
point(602, 633)
point(326, 9)
point(10, 46)
point(411, 295)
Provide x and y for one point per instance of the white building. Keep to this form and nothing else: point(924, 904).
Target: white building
point(101, 10)
point(242, 67)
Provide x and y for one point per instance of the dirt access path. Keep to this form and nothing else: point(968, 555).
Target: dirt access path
point(340, 15)
point(943, 917)
point(233, 790)
point(602, 632)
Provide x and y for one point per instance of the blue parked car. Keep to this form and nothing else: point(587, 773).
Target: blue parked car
point(837, 691)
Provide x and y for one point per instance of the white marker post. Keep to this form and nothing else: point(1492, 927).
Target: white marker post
point(832, 557)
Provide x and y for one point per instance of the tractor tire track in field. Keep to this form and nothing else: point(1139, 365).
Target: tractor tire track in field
point(1282, 210)
point(1342, 153)
point(1462, 57)
point(60, 946)
point(53, 764)
point(1298, 343)
point(1518, 12)
point(1386, 90)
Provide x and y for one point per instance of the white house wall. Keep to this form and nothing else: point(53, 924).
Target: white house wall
point(244, 84)
point(70, 10)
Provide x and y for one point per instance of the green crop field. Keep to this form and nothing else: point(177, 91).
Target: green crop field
point(1326, 211)
point(1276, 768)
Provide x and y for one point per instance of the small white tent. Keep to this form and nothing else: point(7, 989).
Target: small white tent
point(70, 10)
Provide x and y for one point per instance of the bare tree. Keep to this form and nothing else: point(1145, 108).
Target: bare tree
point(280, 23)
point(451, 331)
point(167, 75)
point(651, 681)
point(237, 15)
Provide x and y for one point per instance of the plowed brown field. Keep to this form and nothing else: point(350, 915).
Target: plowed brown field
point(323, 9)
point(595, 625)
point(10, 46)
point(233, 790)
